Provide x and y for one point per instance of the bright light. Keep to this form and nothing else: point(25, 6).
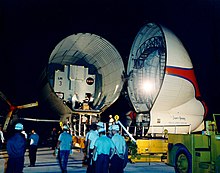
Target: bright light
point(148, 87)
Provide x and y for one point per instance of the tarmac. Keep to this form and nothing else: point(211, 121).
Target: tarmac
point(47, 163)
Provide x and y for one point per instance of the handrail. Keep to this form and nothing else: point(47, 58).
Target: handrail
point(80, 129)
point(128, 133)
point(174, 125)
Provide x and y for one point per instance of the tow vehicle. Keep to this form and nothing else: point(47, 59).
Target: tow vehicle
point(188, 153)
point(192, 153)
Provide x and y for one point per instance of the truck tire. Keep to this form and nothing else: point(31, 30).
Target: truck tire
point(183, 160)
point(217, 165)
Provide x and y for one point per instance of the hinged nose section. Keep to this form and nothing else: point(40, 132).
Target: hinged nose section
point(163, 98)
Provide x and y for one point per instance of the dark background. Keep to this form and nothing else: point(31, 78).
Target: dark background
point(29, 31)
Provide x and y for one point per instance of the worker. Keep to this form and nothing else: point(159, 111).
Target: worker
point(111, 120)
point(110, 132)
point(117, 160)
point(75, 101)
point(34, 139)
point(100, 125)
point(2, 139)
point(86, 100)
point(103, 151)
point(91, 101)
point(64, 145)
point(91, 138)
point(16, 147)
point(54, 139)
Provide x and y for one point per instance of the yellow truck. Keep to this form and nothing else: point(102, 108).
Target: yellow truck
point(187, 153)
point(196, 153)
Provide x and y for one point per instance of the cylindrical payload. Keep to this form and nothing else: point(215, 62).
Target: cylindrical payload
point(162, 86)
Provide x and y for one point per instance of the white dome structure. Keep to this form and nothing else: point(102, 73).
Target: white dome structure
point(162, 86)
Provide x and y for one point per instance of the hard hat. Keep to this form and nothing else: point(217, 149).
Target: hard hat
point(101, 130)
point(100, 124)
point(115, 127)
point(19, 126)
point(65, 127)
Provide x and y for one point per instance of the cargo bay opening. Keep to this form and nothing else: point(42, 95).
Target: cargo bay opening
point(82, 65)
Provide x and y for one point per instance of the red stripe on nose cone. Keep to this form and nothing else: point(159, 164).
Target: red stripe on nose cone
point(185, 73)
point(189, 75)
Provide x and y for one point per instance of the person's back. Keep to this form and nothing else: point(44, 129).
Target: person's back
point(34, 139)
point(64, 144)
point(16, 147)
point(103, 152)
point(118, 160)
point(65, 141)
point(54, 138)
point(119, 142)
point(104, 145)
point(92, 137)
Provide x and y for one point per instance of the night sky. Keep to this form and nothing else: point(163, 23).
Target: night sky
point(29, 31)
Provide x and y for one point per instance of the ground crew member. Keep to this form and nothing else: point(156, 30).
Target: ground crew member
point(54, 138)
point(92, 137)
point(111, 120)
point(2, 139)
point(16, 147)
point(100, 125)
point(64, 146)
point(110, 132)
point(34, 139)
point(117, 160)
point(103, 152)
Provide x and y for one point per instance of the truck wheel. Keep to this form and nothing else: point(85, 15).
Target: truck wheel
point(183, 161)
point(217, 164)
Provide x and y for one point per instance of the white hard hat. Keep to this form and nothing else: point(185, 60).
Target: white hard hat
point(110, 128)
point(19, 126)
point(115, 127)
point(101, 130)
point(100, 124)
point(65, 127)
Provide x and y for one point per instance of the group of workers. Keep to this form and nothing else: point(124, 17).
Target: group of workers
point(16, 148)
point(17, 144)
point(77, 104)
point(105, 153)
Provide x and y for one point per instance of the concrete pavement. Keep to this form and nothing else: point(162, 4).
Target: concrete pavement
point(47, 163)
